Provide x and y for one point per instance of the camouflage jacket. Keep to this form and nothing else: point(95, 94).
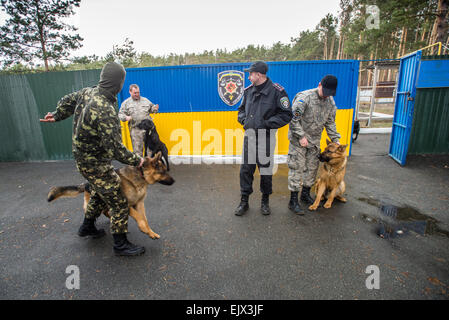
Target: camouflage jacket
point(97, 133)
point(310, 115)
point(139, 110)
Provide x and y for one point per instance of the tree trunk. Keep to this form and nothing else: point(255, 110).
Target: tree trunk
point(404, 45)
point(424, 30)
point(447, 46)
point(433, 34)
point(342, 54)
point(331, 50)
point(340, 40)
point(44, 50)
point(441, 23)
point(401, 43)
point(325, 48)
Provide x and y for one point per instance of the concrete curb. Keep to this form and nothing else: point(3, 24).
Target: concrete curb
point(375, 130)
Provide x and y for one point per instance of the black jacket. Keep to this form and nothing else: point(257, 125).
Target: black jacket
point(268, 108)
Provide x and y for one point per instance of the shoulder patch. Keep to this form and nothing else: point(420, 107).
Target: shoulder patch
point(296, 115)
point(285, 103)
point(278, 86)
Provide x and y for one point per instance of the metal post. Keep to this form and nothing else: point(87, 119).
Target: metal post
point(357, 104)
point(373, 97)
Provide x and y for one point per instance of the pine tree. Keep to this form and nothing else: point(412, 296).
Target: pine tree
point(34, 30)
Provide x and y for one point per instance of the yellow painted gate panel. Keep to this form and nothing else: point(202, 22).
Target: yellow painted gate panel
point(219, 133)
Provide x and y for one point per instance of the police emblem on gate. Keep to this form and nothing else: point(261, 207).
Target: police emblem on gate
point(230, 86)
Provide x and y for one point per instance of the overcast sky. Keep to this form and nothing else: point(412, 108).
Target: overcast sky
point(180, 26)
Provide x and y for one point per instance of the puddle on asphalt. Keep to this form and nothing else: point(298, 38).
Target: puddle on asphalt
point(395, 221)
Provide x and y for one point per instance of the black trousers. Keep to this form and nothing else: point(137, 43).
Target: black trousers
point(258, 151)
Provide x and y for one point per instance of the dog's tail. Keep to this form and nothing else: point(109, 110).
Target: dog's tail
point(67, 191)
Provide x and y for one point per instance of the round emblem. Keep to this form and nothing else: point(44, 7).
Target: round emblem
point(285, 103)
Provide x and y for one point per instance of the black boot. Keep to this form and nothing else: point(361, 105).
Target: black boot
point(243, 206)
point(122, 247)
point(265, 207)
point(305, 195)
point(293, 205)
point(88, 229)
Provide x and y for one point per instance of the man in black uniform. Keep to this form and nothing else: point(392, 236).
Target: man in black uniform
point(265, 107)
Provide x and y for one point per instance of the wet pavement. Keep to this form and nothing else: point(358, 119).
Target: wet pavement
point(396, 218)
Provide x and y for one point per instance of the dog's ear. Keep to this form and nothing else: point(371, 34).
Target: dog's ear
point(146, 161)
point(154, 159)
point(328, 141)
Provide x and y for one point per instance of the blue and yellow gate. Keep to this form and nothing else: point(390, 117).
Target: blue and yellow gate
point(193, 120)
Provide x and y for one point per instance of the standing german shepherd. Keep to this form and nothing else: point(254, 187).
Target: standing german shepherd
point(152, 141)
point(330, 178)
point(134, 182)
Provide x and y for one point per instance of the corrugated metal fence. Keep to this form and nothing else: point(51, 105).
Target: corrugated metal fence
point(430, 131)
point(187, 95)
point(26, 98)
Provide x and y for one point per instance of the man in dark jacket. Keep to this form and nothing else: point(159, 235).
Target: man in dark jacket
point(265, 107)
point(96, 141)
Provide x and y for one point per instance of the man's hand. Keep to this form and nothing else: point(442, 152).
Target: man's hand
point(141, 163)
point(128, 118)
point(303, 142)
point(48, 118)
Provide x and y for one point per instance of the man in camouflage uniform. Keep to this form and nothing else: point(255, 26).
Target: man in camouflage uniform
point(313, 110)
point(96, 142)
point(134, 110)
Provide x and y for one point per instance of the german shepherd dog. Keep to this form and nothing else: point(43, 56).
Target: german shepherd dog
point(330, 182)
point(134, 182)
point(152, 141)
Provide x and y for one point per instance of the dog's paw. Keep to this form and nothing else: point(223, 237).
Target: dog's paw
point(154, 235)
point(327, 205)
point(341, 199)
point(313, 207)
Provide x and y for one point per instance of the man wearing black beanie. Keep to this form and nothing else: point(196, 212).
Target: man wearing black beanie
point(96, 141)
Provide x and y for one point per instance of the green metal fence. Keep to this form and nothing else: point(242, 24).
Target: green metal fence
point(430, 131)
point(26, 98)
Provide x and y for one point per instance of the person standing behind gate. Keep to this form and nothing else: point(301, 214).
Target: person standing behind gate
point(134, 110)
point(265, 106)
point(313, 110)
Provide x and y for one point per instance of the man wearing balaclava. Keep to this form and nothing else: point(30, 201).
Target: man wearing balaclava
point(96, 141)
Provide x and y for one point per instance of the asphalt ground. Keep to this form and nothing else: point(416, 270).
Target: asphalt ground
point(396, 219)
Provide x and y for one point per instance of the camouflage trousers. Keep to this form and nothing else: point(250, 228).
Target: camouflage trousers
point(106, 194)
point(303, 166)
point(137, 136)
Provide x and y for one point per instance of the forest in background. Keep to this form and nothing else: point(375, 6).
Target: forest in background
point(354, 32)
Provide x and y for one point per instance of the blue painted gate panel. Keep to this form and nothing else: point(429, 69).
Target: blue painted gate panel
point(404, 106)
point(433, 74)
point(194, 88)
